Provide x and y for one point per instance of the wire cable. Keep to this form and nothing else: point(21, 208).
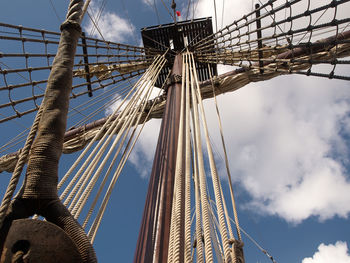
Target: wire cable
point(55, 11)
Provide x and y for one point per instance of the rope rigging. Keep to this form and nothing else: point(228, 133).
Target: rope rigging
point(128, 61)
point(238, 78)
point(239, 37)
point(38, 193)
point(234, 49)
point(124, 77)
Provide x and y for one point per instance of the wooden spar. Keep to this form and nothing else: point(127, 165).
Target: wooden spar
point(259, 36)
point(86, 62)
point(153, 240)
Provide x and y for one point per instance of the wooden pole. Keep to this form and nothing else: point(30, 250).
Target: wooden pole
point(153, 240)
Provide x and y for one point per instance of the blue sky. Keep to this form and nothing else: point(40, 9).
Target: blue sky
point(288, 142)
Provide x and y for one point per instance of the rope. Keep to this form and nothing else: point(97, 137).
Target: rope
point(126, 126)
point(120, 138)
point(231, 36)
point(214, 235)
point(40, 185)
point(130, 59)
point(105, 178)
point(92, 166)
point(92, 154)
point(199, 243)
point(227, 169)
point(78, 204)
point(19, 167)
point(54, 9)
point(119, 90)
point(199, 235)
point(14, 141)
point(101, 131)
point(188, 257)
point(96, 156)
point(97, 221)
point(201, 171)
point(85, 7)
point(215, 178)
point(176, 212)
point(226, 213)
point(171, 234)
point(256, 244)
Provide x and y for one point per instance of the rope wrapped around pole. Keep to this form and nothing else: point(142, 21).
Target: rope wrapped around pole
point(38, 194)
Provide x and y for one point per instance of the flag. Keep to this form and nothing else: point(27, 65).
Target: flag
point(178, 13)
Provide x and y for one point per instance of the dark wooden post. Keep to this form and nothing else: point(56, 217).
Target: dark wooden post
point(258, 32)
point(153, 241)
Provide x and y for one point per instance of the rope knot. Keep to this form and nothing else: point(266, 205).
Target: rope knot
point(216, 82)
point(70, 24)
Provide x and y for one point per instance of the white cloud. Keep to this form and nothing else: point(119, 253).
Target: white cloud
point(148, 3)
point(330, 253)
point(283, 136)
point(112, 27)
point(284, 139)
point(232, 10)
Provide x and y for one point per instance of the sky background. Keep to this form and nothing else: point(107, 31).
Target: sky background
point(288, 141)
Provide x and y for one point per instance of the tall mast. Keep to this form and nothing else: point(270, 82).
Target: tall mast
point(153, 240)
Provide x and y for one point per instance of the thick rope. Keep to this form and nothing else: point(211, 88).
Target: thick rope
point(214, 235)
point(227, 169)
point(215, 178)
point(202, 179)
point(172, 226)
point(97, 221)
point(92, 161)
point(97, 136)
point(226, 213)
point(85, 178)
point(39, 191)
point(92, 207)
point(188, 257)
point(93, 157)
point(19, 166)
point(199, 243)
point(84, 10)
point(126, 127)
point(42, 172)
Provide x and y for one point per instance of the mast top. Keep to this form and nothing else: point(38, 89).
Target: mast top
point(177, 37)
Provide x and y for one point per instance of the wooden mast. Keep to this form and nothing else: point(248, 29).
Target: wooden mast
point(153, 240)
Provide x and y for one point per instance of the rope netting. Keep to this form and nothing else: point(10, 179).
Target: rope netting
point(300, 36)
point(87, 186)
point(279, 37)
point(27, 56)
point(77, 138)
